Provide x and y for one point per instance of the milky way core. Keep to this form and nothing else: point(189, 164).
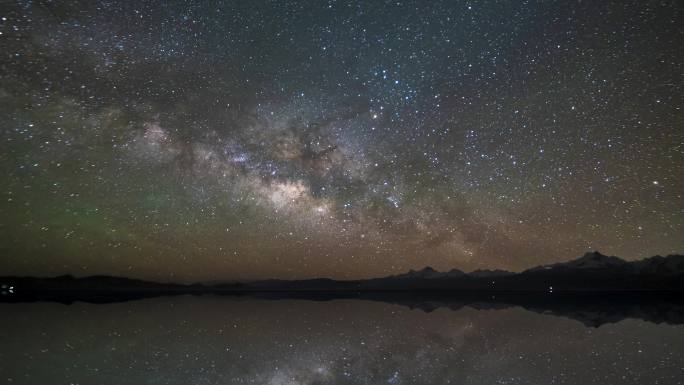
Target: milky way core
point(293, 139)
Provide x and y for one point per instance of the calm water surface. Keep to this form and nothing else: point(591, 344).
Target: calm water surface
point(217, 340)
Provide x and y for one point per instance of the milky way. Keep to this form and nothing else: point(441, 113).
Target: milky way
point(342, 139)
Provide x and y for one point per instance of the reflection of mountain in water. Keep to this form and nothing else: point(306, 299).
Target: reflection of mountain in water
point(594, 289)
point(592, 309)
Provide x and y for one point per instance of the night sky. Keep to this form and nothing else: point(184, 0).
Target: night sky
point(254, 139)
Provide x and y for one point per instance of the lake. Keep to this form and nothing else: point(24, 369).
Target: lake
point(228, 340)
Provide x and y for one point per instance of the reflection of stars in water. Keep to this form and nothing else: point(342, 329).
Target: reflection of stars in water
point(223, 340)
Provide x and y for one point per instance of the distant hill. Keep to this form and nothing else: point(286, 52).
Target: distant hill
point(594, 289)
point(94, 282)
point(591, 272)
point(94, 289)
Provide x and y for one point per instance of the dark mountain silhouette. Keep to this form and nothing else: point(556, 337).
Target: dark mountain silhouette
point(589, 261)
point(94, 289)
point(489, 273)
point(593, 289)
point(428, 273)
point(591, 272)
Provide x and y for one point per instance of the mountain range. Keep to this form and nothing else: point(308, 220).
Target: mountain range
point(591, 272)
point(594, 289)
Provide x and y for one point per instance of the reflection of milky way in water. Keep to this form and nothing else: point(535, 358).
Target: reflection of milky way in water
point(205, 340)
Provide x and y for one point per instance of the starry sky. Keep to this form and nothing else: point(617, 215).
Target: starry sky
point(348, 139)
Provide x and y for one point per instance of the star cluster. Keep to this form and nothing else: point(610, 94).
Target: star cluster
point(346, 139)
